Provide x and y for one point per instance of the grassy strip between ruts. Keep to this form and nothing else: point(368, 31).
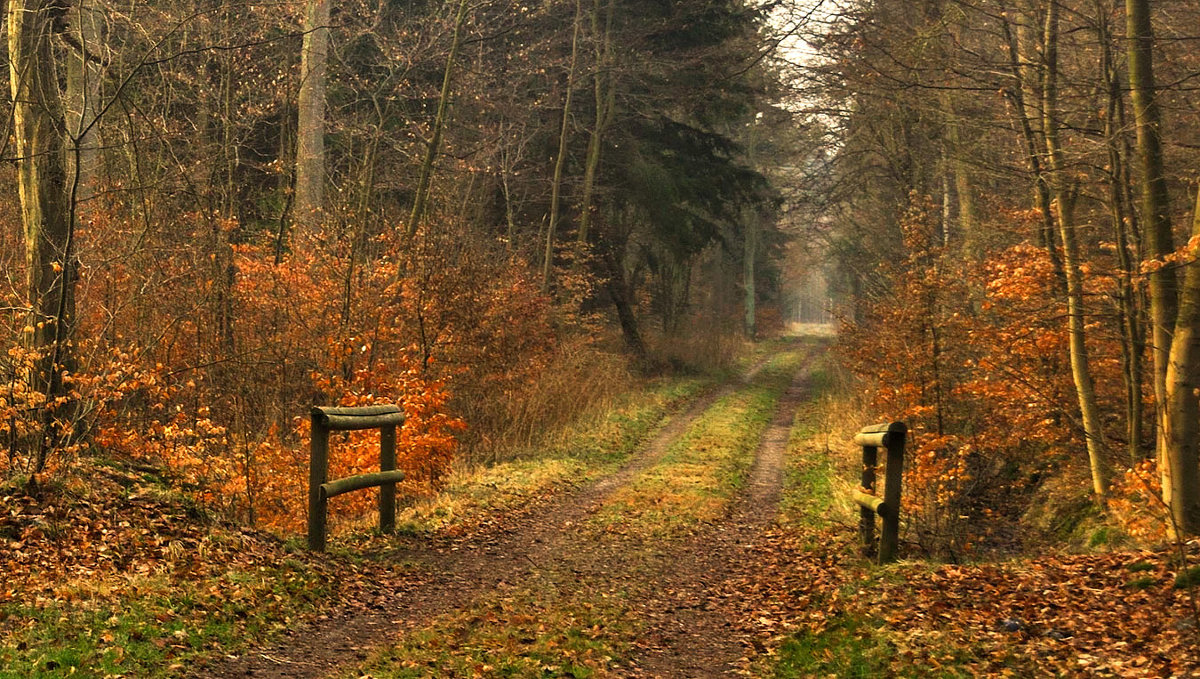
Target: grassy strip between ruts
point(550, 626)
point(701, 471)
point(574, 620)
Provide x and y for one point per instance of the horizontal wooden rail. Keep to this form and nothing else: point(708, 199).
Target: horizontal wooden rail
point(350, 419)
point(385, 418)
point(868, 501)
point(892, 437)
point(352, 483)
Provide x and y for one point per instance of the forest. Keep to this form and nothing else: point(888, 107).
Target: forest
point(635, 271)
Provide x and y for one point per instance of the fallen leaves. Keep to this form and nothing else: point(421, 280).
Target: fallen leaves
point(1052, 615)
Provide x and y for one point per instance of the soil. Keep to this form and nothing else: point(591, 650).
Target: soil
point(689, 630)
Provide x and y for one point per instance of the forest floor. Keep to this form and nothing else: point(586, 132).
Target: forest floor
point(708, 537)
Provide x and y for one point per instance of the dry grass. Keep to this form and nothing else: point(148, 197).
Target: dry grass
point(579, 379)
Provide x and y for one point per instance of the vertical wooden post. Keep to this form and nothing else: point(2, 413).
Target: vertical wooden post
point(890, 536)
point(387, 492)
point(318, 470)
point(866, 516)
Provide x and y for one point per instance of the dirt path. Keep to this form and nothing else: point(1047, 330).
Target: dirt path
point(449, 574)
point(691, 634)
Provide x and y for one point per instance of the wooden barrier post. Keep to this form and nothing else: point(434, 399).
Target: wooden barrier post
point(892, 437)
point(866, 515)
point(387, 492)
point(318, 473)
point(320, 489)
point(889, 537)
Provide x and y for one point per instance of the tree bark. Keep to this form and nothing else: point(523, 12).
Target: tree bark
point(1164, 302)
point(439, 122)
point(1085, 388)
point(1129, 302)
point(560, 160)
point(83, 97)
point(749, 259)
point(310, 124)
point(605, 96)
point(1024, 74)
point(39, 131)
point(1183, 401)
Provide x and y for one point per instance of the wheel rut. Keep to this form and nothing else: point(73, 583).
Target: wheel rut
point(448, 574)
point(691, 632)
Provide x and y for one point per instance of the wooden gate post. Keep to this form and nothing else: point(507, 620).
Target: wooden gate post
point(387, 492)
point(866, 515)
point(318, 473)
point(890, 436)
point(890, 536)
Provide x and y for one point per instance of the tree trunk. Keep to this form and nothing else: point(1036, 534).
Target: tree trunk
point(1026, 114)
point(560, 161)
point(961, 175)
point(1132, 339)
point(1085, 388)
point(749, 260)
point(605, 95)
point(1183, 401)
point(310, 121)
point(83, 97)
point(39, 129)
point(618, 290)
point(1164, 302)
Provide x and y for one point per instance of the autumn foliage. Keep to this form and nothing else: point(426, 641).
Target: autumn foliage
point(205, 360)
point(973, 356)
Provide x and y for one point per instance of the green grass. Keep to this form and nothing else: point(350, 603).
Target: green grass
point(845, 647)
point(705, 467)
point(563, 623)
point(150, 626)
point(1144, 582)
point(1188, 578)
point(848, 647)
point(810, 481)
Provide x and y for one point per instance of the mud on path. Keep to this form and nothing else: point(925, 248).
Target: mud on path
point(447, 574)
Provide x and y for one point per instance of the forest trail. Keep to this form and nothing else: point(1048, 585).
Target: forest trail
point(552, 538)
point(690, 635)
